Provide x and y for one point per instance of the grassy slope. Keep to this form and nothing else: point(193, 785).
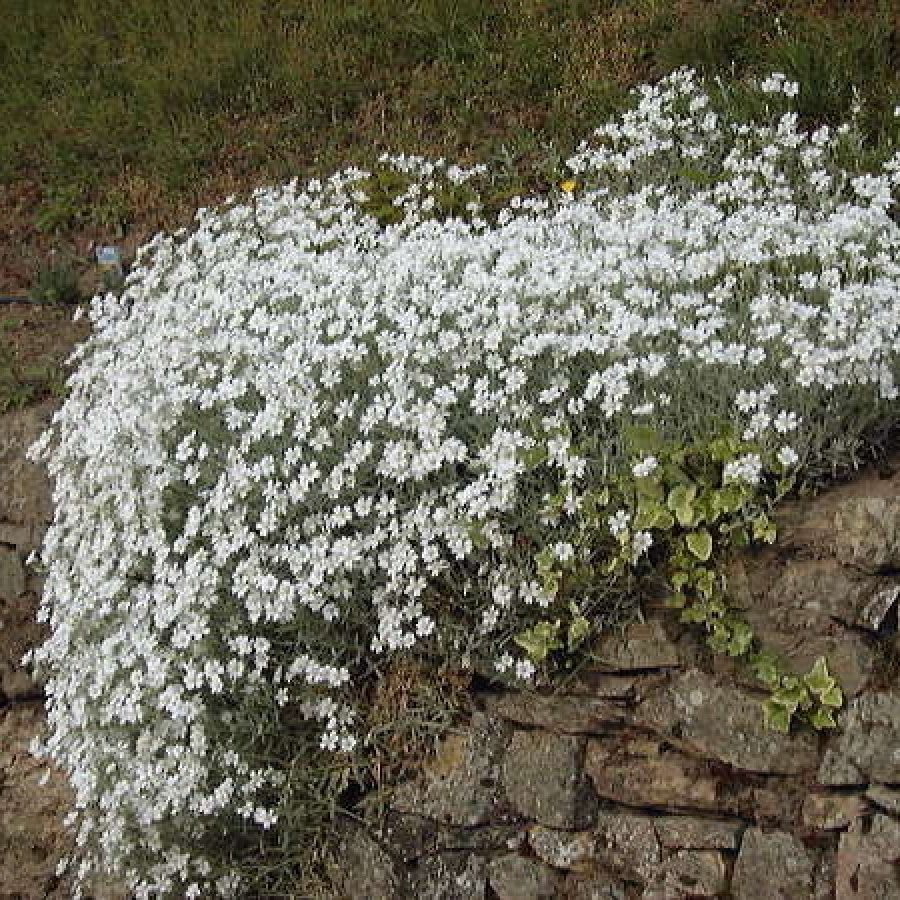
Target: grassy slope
point(124, 112)
point(121, 118)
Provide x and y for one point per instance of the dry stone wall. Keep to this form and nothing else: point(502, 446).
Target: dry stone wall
point(652, 776)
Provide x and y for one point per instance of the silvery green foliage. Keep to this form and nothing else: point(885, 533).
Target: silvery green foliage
point(299, 438)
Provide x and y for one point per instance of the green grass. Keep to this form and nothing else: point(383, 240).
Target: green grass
point(114, 109)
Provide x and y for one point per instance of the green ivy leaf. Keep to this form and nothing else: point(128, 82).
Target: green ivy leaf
point(764, 529)
point(676, 601)
point(704, 581)
point(719, 638)
point(550, 583)
point(765, 667)
point(741, 639)
point(538, 642)
point(776, 716)
point(680, 501)
point(833, 697)
point(680, 579)
point(663, 520)
point(818, 679)
point(822, 718)
point(700, 544)
point(731, 497)
point(790, 695)
point(695, 614)
point(578, 631)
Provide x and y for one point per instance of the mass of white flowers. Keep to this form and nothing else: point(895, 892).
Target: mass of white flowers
point(302, 438)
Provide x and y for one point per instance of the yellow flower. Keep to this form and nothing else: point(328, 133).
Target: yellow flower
point(568, 186)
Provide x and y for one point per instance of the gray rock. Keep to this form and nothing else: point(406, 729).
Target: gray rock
point(12, 574)
point(688, 873)
point(450, 876)
point(627, 844)
point(600, 886)
point(642, 645)
point(693, 833)
point(866, 865)
point(873, 613)
point(483, 839)
point(366, 869)
point(514, 877)
point(867, 533)
point(19, 536)
point(571, 850)
point(794, 614)
point(812, 592)
point(620, 687)
point(19, 632)
point(24, 486)
point(724, 723)
point(543, 779)
point(885, 797)
point(867, 748)
point(824, 875)
point(645, 772)
point(568, 715)
point(827, 812)
point(461, 784)
point(777, 860)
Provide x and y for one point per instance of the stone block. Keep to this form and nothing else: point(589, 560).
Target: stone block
point(639, 646)
point(776, 862)
point(867, 533)
point(627, 844)
point(867, 747)
point(827, 812)
point(514, 877)
point(688, 874)
point(693, 833)
point(12, 574)
point(866, 865)
point(544, 780)
point(566, 715)
point(461, 784)
point(24, 486)
point(571, 850)
point(647, 772)
point(450, 876)
point(724, 723)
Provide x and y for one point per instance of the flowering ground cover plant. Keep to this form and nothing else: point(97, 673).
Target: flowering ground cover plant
point(373, 416)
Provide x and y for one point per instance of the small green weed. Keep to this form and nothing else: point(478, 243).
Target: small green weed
point(56, 282)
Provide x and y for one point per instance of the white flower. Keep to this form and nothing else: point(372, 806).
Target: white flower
point(643, 468)
point(641, 542)
point(747, 468)
point(786, 421)
point(564, 551)
point(525, 670)
point(787, 457)
point(618, 522)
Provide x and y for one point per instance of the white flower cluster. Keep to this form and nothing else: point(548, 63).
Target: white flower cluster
point(299, 436)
